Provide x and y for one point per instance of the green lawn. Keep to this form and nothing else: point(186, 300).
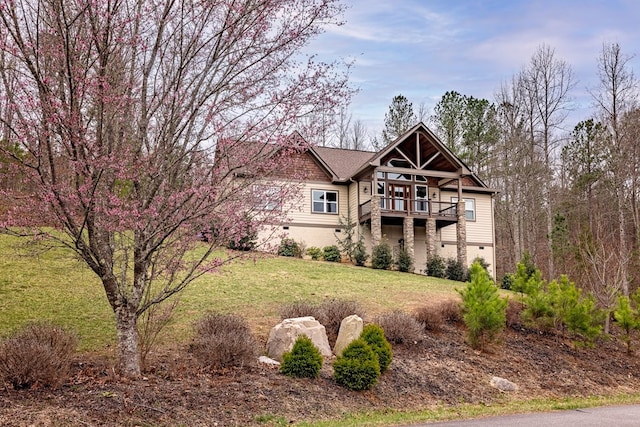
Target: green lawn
point(52, 285)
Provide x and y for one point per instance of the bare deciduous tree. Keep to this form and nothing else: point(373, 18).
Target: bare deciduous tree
point(548, 81)
point(138, 117)
point(616, 96)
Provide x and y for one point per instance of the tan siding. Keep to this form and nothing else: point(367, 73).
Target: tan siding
point(353, 201)
point(302, 214)
point(481, 230)
point(478, 231)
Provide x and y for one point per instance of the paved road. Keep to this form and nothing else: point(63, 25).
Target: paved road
point(617, 416)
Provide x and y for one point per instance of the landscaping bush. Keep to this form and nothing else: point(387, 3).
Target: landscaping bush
point(457, 271)
point(223, 340)
point(574, 311)
point(382, 256)
point(290, 248)
point(314, 252)
point(331, 253)
point(246, 241)
point(436, 267)
point(404, 262)
point(333, 311)
point(628, 318)
point(374, 336)
point(484, 264)
point(431, 317)
point(451, 312)
point(507, 281)
point(401, 328)
point(358, 367)
point(360, 255)
point(39, 353)
point(303, 361)
point(299, 309)
point(513, 315)
point(484, 311)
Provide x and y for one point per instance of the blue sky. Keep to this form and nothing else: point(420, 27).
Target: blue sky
point(423, 48)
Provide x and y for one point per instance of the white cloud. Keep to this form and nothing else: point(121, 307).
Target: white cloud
point(422, 49)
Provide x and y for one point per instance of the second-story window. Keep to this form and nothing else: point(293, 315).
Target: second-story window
point(469, 207)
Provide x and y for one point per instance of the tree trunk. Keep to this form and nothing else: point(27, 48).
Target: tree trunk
point(127, 335)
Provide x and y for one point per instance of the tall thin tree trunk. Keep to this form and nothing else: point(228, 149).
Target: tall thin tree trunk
point(622, 238)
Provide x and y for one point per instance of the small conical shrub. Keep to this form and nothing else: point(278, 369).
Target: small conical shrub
point(357, 368)
point(484, 310)
point(303, 361)
point(374, 336)
point(382, 257)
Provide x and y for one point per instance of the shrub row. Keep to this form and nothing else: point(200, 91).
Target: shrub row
point(357, 368)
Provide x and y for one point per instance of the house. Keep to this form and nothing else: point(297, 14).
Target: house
point(415, 194)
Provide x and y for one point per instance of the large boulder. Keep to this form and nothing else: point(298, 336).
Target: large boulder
point(503, 384)
point(284, 335)
point(350, 329)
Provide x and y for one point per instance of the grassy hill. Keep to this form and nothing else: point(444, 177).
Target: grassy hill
point(38, 284)
point(439, 377)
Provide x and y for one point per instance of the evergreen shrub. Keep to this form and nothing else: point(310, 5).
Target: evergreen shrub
point(436, 266)
point(357, 368)
point(303, 361)
point(374, 336)
point(382, 256)
point(314, 252)
point(456, 270)
point(404, 261)
point(331, 253)
point(289, 248)
point(360, 255)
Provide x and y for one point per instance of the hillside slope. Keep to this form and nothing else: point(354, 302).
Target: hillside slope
point(440, 370)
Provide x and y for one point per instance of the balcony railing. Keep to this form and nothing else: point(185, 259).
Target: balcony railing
point(413, 207)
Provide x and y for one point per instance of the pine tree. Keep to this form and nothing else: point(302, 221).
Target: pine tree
point(484, 311)
point(398, 119)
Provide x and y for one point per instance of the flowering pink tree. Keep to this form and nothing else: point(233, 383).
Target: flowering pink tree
point(139, 123)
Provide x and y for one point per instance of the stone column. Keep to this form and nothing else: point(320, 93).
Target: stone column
point(431, 237)
point(461, 233)
point(409, 237)
point(376, 221)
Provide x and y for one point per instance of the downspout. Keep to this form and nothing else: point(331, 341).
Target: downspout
point(357, 213)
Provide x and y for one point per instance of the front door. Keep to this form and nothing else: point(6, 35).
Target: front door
point(399, 195)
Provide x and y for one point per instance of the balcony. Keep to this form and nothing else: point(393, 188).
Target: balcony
point(444, 212)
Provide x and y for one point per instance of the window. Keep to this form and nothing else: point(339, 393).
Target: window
point(469, 207)
point(268, 197)
point(383, 195)
point(324, 201)
point(399, 163)
point(422, 198)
